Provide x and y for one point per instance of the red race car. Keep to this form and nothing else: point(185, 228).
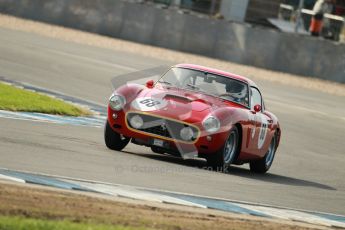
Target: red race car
point(194, 111)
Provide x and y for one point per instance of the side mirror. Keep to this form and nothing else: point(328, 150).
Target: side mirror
point(257, 108)
point(150, 84)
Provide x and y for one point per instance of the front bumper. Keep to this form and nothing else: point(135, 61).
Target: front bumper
point(201, 145)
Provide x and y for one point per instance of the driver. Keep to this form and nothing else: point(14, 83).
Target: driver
point(238, 91)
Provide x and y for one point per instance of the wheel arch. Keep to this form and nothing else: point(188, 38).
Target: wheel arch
point(278, 130)
point(240, 134)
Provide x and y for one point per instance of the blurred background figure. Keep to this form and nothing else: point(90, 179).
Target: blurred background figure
point(320, 8)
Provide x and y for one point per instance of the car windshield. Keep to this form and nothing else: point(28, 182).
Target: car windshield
point(216, 85)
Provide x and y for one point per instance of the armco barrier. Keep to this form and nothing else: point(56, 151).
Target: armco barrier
point(148, 24)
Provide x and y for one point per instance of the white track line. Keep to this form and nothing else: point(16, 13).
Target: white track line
point(294, 215)
point(4, 177)
point(130, 192)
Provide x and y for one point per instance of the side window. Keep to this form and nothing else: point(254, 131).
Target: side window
point(255, 98)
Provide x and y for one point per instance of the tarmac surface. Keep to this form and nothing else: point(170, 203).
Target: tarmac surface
point(308, 171)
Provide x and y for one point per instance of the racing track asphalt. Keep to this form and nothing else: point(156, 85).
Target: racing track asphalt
point(308, 172)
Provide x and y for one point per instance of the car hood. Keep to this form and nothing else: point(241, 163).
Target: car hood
point(177, 103)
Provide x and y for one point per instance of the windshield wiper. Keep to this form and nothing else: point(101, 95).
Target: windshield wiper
point(193, 86)
point(165, 82)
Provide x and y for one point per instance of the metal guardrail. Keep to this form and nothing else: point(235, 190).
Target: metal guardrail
point(204, 7)
point(329, 16)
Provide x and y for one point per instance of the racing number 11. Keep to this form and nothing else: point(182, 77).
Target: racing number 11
point(262, 133)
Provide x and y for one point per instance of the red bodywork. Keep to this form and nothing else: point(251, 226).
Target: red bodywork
point(192, 108)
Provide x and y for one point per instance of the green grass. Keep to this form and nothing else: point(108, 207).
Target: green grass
point(16, 99)
point(20, 223)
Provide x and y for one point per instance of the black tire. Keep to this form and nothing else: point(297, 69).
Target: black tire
point(157, 150)
point(221, 160)
point(114, 140)
point(264, 164)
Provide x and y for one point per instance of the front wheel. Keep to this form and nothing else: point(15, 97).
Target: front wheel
point(222, 159)
point(114, 140)
point(264, 164)
point(157, 150)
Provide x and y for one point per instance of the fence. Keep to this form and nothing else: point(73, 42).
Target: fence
point(334, 24)
point(259, 10)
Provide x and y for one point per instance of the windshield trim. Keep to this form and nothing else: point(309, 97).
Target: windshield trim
point(262, 100)
point(203, 92)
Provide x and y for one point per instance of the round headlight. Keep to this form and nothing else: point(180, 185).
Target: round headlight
point(136, 122)
point(117, 102)
point(211, 124)
point(187, 133)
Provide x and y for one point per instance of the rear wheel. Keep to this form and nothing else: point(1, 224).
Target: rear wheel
point(114, 140)
point(264, 164)
point(221, 160)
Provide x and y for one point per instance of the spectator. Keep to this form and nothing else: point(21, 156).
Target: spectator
point(320, 8)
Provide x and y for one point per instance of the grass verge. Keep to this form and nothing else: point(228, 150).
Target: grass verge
point(20, 223)
point(16, 99)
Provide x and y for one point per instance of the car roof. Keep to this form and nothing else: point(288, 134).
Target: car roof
point(217, 72)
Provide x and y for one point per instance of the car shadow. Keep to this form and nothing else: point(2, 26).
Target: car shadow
point(237, 171)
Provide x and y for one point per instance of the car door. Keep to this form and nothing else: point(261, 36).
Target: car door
point(259, 134)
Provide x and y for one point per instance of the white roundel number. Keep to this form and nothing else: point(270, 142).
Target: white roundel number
point(263, 132)
point(252, 118)
point(148, 104)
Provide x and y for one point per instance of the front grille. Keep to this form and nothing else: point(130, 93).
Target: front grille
point(158, 130)
point(162, 127)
